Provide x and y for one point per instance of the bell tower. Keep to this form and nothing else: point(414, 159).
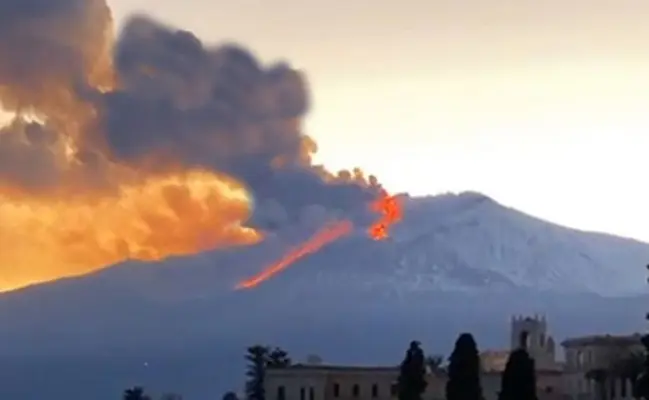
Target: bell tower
point(532, 333)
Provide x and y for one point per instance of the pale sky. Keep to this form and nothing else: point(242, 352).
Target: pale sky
point(542, 105)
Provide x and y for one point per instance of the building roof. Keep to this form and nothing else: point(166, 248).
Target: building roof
point(603, 340)
point(341, 368)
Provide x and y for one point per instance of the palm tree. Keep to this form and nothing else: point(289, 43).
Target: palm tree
point(599, 375)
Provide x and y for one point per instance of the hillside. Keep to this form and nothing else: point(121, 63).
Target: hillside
point(429, 281)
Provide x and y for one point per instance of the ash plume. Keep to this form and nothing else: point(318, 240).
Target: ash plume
point(220, 108)
point(154, 131)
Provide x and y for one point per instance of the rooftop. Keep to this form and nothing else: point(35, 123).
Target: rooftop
point(603, 340)
point(341, 368)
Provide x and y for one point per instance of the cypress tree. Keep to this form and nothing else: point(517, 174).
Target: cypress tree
point(464, 370)
point(519, 378)
point(412, 373)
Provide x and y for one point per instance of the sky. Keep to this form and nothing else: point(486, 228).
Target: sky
point(541, 105)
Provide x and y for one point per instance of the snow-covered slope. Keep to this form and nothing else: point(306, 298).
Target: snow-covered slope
point(468, 242)
point(428, 281)
point(468, 239)
point(453, 242)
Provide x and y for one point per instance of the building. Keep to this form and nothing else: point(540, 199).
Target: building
point(329, 382)
point(539, 342)
point(575, 379)
point(591, 353)
point(315, 381)
point(540, 345)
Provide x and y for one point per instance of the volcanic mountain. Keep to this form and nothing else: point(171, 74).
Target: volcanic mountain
point(457, 262)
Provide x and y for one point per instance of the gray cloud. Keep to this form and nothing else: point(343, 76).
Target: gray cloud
point(156, 98)
point(220, 108)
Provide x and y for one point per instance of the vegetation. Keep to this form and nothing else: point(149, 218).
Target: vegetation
point(230, 396)
point(412, 383)
point(519, 378)
point(641, 388)
point(598, 375)
point(136, 393)
point(259, 359)
point(464, 370)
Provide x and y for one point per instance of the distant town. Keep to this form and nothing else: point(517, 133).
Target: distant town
point(597, 367)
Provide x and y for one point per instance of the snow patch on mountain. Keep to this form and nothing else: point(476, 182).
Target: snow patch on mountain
point(463, 242)
point(457, 237)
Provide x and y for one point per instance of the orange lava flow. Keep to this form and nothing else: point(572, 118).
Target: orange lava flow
point(389, 209)
point(323, 237)
point(390, 212)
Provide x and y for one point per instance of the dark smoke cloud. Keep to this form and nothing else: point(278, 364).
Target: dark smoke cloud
point(158, 98)
point(219, 107)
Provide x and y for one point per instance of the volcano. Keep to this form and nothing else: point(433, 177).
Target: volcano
point(457, 262)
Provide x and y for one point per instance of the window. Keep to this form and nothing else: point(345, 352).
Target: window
point(281, 393)
point(311, 393)
point(356, 391)
point(580, 359)
point(394, 389)
point(375, 391)
point(524, 339)
point(336, 390)
point(302, 394)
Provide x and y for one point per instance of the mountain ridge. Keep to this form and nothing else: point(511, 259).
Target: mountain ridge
point(428, 221)
point(430, 280)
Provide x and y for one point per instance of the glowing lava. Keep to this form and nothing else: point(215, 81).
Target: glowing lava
point(390, 212)
point(385, 205)
point(323, 237)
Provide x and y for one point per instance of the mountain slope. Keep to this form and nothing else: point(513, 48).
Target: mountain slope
point(456, 263)
point(471, 232)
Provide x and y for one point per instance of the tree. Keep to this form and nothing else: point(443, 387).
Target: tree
point(641, 387)
point(519, 378)
point(230, 396)
point(259, 359)
point(628, 368)
point(412, 373)
point(278, 358)
point(464, 370)
point(135, 393)
point(256, 357)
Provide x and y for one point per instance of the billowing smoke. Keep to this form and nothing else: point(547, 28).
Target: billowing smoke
point(146, 146)
point(220, 108)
